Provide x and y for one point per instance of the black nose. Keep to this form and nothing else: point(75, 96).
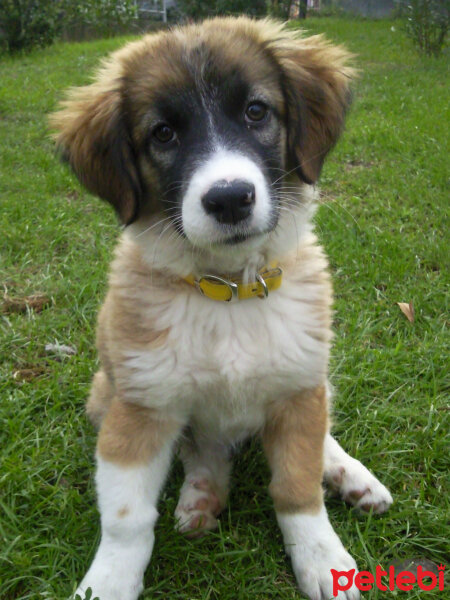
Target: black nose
point(230, 201)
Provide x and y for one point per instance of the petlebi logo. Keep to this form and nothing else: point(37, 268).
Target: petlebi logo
point(389, 580)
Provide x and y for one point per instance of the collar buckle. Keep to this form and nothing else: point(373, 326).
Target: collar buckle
point(231, 285)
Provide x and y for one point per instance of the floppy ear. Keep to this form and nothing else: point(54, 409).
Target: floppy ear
point(92, 135)
point(317, 90)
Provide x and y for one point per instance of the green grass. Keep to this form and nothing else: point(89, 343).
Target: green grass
point(385, 227)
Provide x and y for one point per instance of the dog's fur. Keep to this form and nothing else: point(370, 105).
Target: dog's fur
point(179, 368)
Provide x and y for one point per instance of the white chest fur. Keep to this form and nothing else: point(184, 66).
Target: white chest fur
point(223, 362)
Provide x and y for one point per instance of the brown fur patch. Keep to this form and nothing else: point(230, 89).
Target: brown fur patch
point(132, 293)
point(131, 434)
point(308, 268)
point(293, 441)
point(128, 320)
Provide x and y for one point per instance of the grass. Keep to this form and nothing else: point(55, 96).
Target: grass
point(385, 227)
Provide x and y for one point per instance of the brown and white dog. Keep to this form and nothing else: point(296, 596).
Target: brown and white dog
point(207, 140)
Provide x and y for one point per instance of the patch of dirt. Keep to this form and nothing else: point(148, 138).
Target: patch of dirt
point(20, 304)
point(29, 373)
point(358, 164)
point(73, 195)
point(412, 563)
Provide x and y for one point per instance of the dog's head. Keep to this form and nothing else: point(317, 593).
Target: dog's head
point(203, 123)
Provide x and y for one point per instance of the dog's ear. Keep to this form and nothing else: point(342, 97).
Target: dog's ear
point(93, 137)
point(316, 82)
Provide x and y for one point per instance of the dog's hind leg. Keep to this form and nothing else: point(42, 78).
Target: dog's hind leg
point(204, 492)
point(100, 398)
point(352, 480)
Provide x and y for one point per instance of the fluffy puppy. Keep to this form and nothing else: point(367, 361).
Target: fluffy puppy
point(207, 140)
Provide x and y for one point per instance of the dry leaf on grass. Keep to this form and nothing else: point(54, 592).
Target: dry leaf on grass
point(15, 304)
point(407, 309)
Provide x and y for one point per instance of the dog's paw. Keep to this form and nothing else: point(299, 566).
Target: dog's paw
point(359, 487)
point(198, 507)
point(315, 551)
point(105, 583)
point(313, 570)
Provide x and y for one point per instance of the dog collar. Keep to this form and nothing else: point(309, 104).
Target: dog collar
point(231, 290)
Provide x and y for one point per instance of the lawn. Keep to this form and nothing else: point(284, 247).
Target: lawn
point(384, 224)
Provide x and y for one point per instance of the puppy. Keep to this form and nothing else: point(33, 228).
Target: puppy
point(208, 140)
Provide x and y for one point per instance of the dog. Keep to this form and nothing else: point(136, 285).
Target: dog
point(208, 140)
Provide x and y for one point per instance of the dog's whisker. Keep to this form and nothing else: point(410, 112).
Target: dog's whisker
point(173, 188)
point(328, 204)
point(153, 226)
point(285, 174)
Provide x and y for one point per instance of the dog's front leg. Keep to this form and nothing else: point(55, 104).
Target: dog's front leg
point(133, 457)
point(293, 440)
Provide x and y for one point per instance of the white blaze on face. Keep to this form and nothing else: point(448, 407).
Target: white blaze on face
point(201, 228)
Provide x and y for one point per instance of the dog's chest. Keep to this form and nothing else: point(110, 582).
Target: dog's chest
point(226, 361)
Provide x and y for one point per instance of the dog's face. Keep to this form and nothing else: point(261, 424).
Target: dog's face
point(212, 143)
point(203, 123)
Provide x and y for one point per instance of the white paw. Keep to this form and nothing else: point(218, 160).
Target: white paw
point(315, 550)
point(197, 507)
point(312, 567)
point(108, 583)
point(358, 486)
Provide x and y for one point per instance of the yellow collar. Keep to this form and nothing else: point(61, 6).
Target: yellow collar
point(230, 290)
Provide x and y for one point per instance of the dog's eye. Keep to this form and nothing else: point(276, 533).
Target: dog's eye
point(164, 134)
point(256, 112)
